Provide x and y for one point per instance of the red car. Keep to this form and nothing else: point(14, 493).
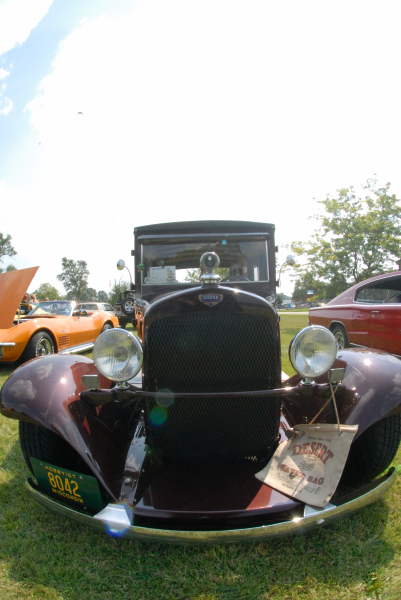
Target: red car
point(367, 314)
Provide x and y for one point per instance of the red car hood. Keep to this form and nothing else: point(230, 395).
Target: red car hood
point(13, 286)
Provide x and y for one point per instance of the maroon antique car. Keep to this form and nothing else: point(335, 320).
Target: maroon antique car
point(367, 315)
point(188, 433)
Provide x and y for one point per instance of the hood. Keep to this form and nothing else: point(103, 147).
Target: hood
point(13, 287)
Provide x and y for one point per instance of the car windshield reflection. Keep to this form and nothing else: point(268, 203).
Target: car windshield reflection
point(53, 308)
point(178, 263)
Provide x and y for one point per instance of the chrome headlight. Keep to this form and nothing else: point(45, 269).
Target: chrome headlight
point(313, 351)
point(117, 354)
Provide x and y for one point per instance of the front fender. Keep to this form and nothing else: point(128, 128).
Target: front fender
point(373, 386)
point(46, 392)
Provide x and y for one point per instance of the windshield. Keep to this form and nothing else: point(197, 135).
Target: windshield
point(53, 308)
point(178, 263)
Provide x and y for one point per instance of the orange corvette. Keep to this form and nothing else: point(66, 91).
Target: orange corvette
point(54, 326)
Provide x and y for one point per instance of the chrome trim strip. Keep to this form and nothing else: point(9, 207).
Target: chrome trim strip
point(7, 344)
point(76, 349)
point(299, 525)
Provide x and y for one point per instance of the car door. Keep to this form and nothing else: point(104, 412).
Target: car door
point(385, 328)
point(83, 329)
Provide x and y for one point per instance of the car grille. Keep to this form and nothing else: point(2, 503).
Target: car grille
point(212, 352)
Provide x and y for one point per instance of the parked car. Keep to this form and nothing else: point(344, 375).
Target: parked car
point(96, 306)
point(125, 309)
point(368, 314)
point(55, 326)
point(187, 433)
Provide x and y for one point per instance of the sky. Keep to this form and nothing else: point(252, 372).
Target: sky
point(118, 113)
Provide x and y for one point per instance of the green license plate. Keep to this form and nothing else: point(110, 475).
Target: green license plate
point(67, 485)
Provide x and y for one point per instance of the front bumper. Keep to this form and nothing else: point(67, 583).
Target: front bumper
point(312, 519)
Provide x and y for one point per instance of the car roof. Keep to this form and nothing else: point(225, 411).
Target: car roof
point(351, 291)
point(203, 227)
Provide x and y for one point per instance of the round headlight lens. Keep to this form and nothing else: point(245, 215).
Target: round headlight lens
point(313, 351)
point(117, 354)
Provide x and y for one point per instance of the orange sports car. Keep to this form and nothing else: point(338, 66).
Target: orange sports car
point(55, 326)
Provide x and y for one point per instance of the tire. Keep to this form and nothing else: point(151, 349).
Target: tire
point(40, 344)
point(128, 306)
point(43, 444)
point(106, 326)
point(341, 336)
point(374, 450)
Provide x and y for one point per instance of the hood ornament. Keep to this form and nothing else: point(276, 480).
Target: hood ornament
point(208, 263)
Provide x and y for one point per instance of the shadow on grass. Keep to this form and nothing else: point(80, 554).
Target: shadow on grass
point(47, 557)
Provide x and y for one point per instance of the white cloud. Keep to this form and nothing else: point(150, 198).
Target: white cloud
point(212, 109)
point(18, 18)
point(6, 104)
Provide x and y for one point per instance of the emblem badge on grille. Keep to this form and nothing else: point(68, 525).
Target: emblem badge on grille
point(211, 299)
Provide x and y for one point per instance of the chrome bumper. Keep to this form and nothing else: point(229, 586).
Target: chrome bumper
point(311, 519)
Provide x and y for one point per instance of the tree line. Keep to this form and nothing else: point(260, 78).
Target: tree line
point(74, 277)
point(356, 237)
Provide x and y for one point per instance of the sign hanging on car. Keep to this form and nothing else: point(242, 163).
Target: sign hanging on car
point(308, 467)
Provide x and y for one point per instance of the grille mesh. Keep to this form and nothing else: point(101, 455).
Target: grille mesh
point(212, 352)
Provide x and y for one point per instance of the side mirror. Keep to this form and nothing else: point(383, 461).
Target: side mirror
point(120, 264)
point(290, 260)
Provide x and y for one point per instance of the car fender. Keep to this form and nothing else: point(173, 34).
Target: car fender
point(372, 383)
point(46, 391)
point(20, 335)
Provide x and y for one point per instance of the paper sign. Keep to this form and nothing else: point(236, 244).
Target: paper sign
point(162, 275)
point(308, 467)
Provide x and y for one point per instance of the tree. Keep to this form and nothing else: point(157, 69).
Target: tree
point(102, 296)
point(45, 290)
point(194, 274)
point(91, 294)
point(281, 297)
point(117, 288)
point(356, 238)
point(306, 283)
point(74, 277)
point(6, 249)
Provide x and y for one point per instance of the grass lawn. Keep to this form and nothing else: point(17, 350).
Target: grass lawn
point(43, 556)
point(290, 324)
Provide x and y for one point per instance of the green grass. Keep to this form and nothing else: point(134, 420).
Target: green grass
point(290, 324)
point(43, 556)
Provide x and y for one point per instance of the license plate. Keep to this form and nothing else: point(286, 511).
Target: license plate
point(66, 485)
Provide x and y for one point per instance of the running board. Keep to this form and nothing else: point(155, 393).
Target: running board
point(77, 349)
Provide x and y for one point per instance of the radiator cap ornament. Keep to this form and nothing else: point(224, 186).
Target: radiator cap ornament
point(208, 263)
